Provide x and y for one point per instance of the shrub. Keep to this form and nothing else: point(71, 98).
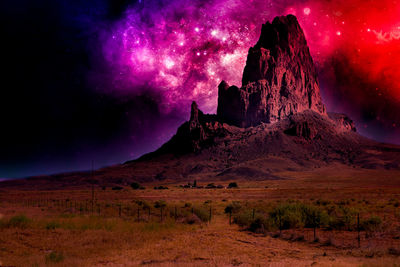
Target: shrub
point(287, 216)
point(243, 218)
point(135, 186)
point(160, 187)
point(295, 215)
point(261, 224)
point(192, 219)
point(54, 257)
point(371, 224)
point(322, 202)
point(145, 205)
point(52, 225)
point(314, 216)
point(160, 204)
point(233, 207)
point(233, 185)
point(212, 185)
point(19, 221)
point(117, 188)
point(202, 213)
point(394, 251)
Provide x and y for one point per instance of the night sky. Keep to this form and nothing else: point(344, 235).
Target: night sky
point(108, 80)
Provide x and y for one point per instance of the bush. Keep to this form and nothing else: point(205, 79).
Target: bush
point(54, 257)
point(160, 187)
point(371, 224)
point(287, 216)
point(117, 188)
point(145, 205)
point(202, 213)
point(233, 185)
point(19, 221)
point(233, 207)
point(135, 186)
point(212, 185)
point(160, 204)
point(314, 216)
point(52, 225)
point(261, 224)
point(295, 215)
point(192, 219)
point(243, 218)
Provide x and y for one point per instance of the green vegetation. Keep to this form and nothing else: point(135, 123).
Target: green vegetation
point(18, 221)
point(136, 186)
point(233, 185)
point(52, 225)
point(54, 257)
point(296, 215)
point(373, 223)
point(117, 188)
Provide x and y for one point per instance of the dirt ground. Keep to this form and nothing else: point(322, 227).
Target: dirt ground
point(56, 231)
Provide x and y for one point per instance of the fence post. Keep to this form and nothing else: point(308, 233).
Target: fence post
point(358, 229)
point(230, 216)
point(175, 214)
point(315, 226)
point(253, 213)
point(161, 213)
point(119, 210)
point(280, 223)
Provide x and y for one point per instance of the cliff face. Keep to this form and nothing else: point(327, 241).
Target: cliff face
point(279, 79)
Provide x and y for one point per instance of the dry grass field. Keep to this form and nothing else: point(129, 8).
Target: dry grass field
point(124, 227)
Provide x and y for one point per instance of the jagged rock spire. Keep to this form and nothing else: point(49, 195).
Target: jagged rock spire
point(279, 79)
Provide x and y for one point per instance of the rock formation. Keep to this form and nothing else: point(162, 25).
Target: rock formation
point(279, 79)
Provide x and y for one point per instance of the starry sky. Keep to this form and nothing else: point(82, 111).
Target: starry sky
point(108, 80)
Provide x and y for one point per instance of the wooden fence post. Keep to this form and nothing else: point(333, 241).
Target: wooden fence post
point(358, 229)
point(175, 214)
point(315, 226)
point(280, 222)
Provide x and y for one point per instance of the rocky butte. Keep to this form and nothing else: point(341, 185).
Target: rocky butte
point(279, 84)
point(279, 79)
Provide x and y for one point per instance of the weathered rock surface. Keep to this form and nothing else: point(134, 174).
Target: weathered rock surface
point(279, 79)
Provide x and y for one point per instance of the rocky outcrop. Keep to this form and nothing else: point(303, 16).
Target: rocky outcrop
point(343, 122)
point(279, 79)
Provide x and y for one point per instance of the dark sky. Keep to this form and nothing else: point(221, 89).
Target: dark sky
point(52, 117)
point(68, 96)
